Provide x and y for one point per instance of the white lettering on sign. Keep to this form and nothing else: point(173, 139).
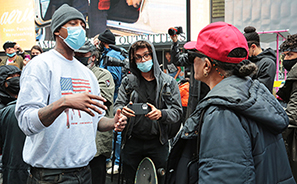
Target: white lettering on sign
point(154, 38)
point(17, 16)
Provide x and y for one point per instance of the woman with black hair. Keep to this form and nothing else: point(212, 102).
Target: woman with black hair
point(264, 59)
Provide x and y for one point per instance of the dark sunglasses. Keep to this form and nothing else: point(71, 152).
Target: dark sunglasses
point(192, 55)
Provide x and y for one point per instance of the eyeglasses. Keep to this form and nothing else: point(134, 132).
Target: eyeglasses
point(146, 56)
point(192, 55)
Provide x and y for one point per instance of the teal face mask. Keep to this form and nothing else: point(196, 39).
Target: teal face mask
point(76, 37)
point(145, 66)
point(11, 55)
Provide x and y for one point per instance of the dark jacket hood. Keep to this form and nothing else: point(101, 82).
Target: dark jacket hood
point(245, 97)
point(156, 66)
point(5, 71)
point(285, 91)
point(268, 53)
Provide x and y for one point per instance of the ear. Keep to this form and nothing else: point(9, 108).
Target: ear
point(56, 33)
point(93, 58)
point(253, 46)
point(207, 65)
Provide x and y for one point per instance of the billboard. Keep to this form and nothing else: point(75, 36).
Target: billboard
point(17, 23)
point(129, 20)
point(122, 17)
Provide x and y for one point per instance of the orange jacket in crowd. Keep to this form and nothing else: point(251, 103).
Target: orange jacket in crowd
point(184, 93)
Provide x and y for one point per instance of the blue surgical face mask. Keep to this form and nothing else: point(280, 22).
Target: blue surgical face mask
point(76, 37)
point(145, 66)
point(11, 55)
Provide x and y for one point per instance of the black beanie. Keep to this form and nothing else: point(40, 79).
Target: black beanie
point(107, 37)
point(64, 14)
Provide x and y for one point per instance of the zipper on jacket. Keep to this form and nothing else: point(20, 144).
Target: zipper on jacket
point(160, 97)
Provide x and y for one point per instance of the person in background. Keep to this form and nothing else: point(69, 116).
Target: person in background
point(264, 59)
point(9, 87)
point(14, 54)
point(235, 133)
point(12, 139)
point(104, 39)
point(35, 51)
point(147, 134)
point(197, 89)
point(60, 109)
point(288, 94)
point(170, 68)
point(87, 55)
point(183, 86)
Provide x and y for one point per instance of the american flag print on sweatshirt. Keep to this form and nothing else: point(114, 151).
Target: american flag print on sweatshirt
point(72, 85)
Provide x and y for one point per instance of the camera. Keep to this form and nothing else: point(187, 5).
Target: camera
point(111, 61)
point(175, 30)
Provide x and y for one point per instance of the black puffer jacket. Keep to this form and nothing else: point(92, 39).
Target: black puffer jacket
point(5, 71)
point(266, 63)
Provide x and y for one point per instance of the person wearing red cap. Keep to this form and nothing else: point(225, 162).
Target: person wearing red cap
point(234, 135)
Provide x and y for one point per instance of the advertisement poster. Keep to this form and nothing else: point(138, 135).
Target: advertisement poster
point(17, 23)
point(122, 17)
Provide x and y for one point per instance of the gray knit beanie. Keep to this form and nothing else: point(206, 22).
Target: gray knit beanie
point(64, 14)
point(107, 37)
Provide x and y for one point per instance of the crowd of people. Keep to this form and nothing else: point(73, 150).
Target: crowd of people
point(67, 116)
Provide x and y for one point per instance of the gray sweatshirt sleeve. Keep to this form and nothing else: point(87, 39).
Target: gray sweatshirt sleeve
point(31, 98)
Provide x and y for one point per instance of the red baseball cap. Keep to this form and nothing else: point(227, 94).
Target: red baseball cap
point(217, 40)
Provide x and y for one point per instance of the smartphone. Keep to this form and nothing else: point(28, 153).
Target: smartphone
point(139, 108)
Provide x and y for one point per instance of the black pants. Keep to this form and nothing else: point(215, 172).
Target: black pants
point(64, 176)
point(135, 150)
point(98, 168)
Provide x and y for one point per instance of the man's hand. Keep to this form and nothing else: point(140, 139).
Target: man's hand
point(155, 113)
point(96, 42)
point(85, 102)
point(134, 3)
point(120, 121)
point(18, 47)
point(128, 112)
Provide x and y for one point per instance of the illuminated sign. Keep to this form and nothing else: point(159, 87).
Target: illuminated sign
point(17, 23)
